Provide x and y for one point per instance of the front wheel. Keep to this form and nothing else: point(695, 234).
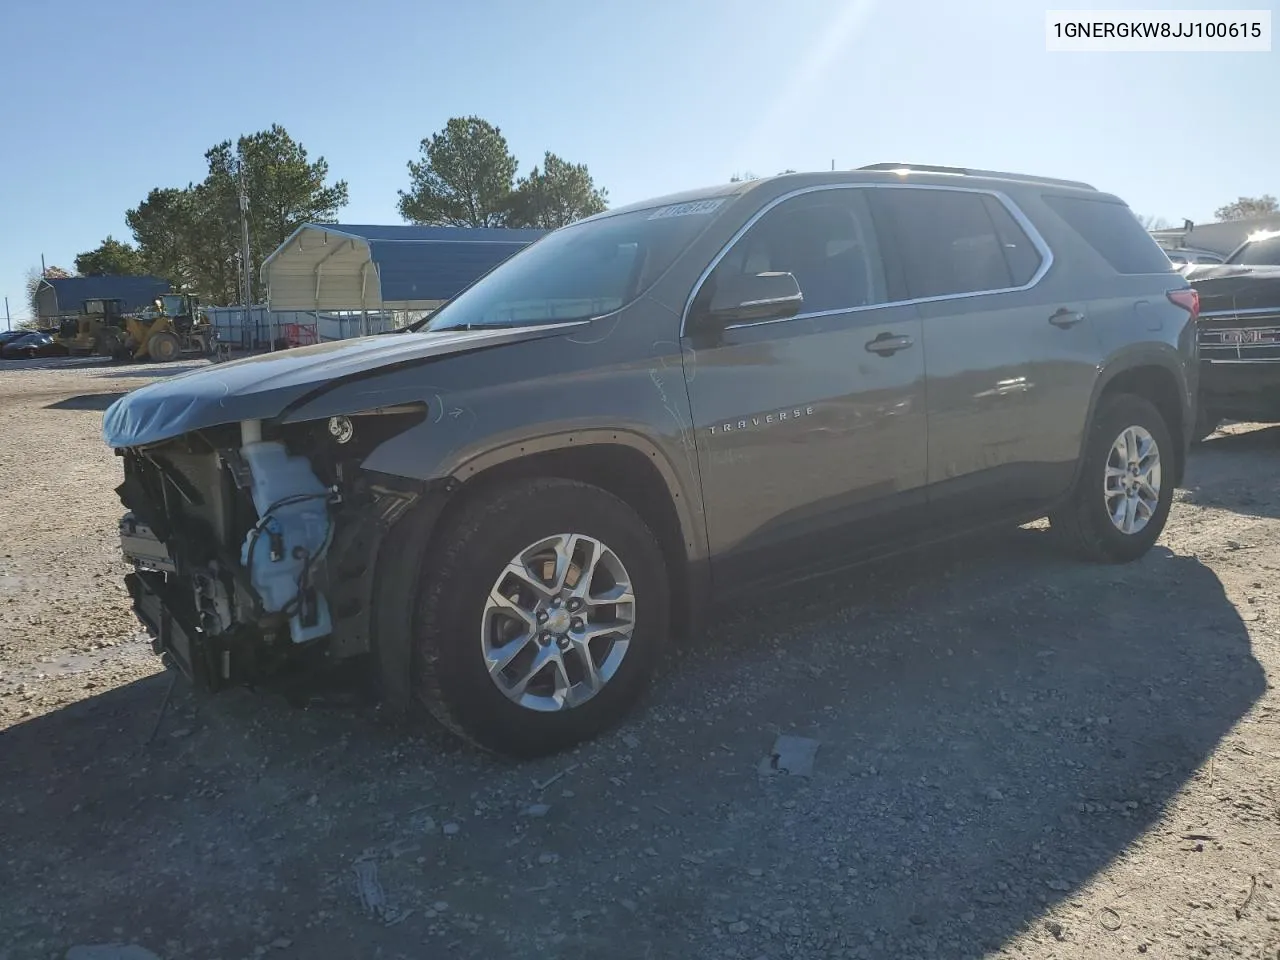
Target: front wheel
point(163, 347)
point(544, 609)
point(1124, 491)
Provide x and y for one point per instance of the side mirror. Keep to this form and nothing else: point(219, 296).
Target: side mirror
point(751, 298)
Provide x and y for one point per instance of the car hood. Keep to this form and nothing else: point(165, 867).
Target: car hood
point(1236, 287)
point(261, 387)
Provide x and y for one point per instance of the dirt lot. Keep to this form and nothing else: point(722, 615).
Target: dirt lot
point(1020, 756)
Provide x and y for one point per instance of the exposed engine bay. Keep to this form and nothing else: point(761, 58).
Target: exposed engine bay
point(254, 545)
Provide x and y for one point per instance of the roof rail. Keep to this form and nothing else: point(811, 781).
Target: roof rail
point(965, 172)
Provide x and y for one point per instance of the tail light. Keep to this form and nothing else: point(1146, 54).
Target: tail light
point(1188, 299)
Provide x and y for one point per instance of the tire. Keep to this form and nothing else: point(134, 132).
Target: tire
point(163, 347)
point(1084, 525)
point(466, 568)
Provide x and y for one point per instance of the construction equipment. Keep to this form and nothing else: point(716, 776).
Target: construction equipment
point(170, 328)
point(98, 329)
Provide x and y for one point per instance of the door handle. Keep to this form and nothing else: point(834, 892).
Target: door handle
point(1064, 318)
point(887, 344)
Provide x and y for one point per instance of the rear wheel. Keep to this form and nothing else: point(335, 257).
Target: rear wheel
point(1124, 492)
point(163, 347)
point(544, 610)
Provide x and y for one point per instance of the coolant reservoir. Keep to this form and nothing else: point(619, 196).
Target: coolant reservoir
point(283, 550)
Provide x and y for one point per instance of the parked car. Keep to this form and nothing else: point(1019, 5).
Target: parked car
point(32, 345)
point(1186, 256)
point(508, 508)
point(1240, 335)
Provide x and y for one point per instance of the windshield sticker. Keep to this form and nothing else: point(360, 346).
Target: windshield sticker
point(692, 209)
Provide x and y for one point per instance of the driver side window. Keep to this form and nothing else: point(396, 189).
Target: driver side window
point(825, 239)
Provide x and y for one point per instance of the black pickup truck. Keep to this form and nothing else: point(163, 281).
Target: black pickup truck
point(1239, 333)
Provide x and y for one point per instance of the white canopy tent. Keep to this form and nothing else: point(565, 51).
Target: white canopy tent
point(358, 268)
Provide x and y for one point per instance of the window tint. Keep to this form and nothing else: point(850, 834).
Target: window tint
point(1019, 252)
point(1112, 230)
point(825, 239)
point(949, 244)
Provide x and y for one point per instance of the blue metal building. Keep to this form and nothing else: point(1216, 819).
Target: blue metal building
point(63, 297)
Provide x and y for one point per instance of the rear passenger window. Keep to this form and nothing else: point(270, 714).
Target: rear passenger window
point(952, 243)
point(1112, 230)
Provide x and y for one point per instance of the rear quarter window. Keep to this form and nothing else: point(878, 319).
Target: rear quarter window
point(1019, 252)
point(1112, 230)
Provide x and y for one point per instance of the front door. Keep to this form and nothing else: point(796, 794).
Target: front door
point(810, 430)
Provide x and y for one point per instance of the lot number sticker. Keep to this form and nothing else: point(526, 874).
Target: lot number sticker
point(691, 209)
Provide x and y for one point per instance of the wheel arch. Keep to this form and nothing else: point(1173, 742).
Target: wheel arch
point(626, 465)
point(620, 462)
point(1158, 381)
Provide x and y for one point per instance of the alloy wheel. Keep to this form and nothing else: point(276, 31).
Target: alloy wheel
point(1132, 483)
point(557, 622)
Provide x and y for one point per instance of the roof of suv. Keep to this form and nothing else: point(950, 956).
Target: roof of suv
point(924, 174)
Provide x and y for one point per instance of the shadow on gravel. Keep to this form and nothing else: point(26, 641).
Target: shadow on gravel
point(53, 363)
point(997, 725)
point(87, 401)
point(137, 371)
point(1236, 471)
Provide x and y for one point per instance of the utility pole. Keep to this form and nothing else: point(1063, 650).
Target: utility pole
point(246, 275)
point(42, 267)
point(246, 269)
point(7, 322)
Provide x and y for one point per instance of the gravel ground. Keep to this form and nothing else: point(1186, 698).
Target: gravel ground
point(1020, 756)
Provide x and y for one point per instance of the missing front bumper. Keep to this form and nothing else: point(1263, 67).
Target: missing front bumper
point(179, 644)
point(247, 656)
point(206, 618)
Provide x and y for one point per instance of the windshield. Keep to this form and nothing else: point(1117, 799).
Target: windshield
point(581, 271)
point(1259, 253)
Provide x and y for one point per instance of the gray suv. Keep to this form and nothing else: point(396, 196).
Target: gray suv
point(504, 512)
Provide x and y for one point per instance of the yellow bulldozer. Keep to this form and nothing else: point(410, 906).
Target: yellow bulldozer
point(98, 328)
point(170, 328)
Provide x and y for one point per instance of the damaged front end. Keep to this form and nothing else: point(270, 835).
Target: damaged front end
point(254, 545)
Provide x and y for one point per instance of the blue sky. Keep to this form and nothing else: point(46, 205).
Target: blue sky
point(102, 102)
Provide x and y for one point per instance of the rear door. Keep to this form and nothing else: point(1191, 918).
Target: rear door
point(1009, 373)
point(810, 430)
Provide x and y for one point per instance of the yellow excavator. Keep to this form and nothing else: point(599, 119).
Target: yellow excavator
point(170, 328)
